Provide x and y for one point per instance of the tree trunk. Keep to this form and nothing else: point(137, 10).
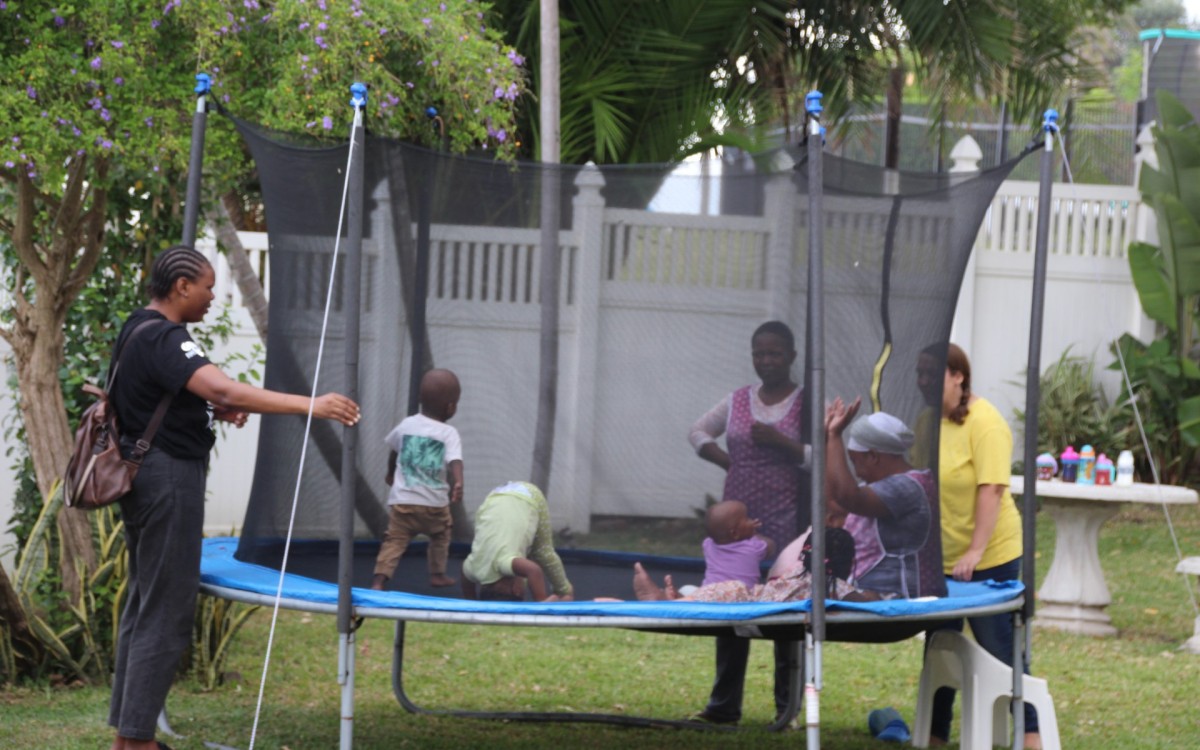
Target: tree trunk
point(44, 414)
point(895, 97)
point(226, 223)
point(58, 269)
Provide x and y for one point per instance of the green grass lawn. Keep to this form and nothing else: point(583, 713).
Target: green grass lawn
point(1134, 691)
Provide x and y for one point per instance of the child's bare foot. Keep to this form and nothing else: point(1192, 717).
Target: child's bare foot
point(669, 589)
point(644, 586)
point(441, 581)
point(378, 582)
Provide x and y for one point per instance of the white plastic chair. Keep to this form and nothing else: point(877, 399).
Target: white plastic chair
point(955, 661)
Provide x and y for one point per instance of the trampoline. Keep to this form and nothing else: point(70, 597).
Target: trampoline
point(594, 574)
point(442, 264)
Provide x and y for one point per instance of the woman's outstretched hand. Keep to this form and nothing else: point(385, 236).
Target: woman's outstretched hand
point(838, 416)
point(338, 407)
point(232, 416)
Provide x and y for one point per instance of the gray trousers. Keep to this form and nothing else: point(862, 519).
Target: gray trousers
point(164, 522)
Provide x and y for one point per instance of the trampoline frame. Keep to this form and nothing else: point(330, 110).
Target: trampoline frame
point(814, 624)
point(772, 627)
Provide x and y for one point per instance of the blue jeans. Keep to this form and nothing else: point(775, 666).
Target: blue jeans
point(995, 634)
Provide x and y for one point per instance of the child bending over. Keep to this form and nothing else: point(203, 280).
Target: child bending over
point(514, 547)
point(425, 473)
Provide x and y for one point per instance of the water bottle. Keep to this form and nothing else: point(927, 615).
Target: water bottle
point(1070, 464)
point(1125, 468)
point(1087, 466)
point(1104, 470)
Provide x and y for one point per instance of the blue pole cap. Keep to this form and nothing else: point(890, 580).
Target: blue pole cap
point(812, 103)
point(358, 95)
point(431, 112)
point(203, 84)
point(1050, 120)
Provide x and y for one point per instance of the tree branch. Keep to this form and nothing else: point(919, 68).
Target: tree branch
point(22, 233)
point(93, 223)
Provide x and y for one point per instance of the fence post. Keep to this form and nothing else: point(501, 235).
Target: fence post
point(780, 209)
point(965, 158)
point(588, 225)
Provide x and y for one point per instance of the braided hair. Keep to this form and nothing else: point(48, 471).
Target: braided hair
point(174, 263)
point(839, 556)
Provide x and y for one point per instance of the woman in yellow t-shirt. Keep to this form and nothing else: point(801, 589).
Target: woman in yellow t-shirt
point(981, 528)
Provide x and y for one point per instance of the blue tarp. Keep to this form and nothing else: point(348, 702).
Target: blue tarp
point(218, 567)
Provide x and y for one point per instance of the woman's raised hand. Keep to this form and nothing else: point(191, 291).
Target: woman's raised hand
point(338, 407)
point(838, 416)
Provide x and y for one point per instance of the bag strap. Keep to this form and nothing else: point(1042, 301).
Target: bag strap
point(143, 443)
point(116, 360)
point(142, 447)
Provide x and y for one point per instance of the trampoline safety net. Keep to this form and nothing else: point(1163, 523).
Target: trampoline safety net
point(665, 275)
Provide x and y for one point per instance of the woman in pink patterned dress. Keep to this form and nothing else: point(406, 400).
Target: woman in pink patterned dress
point(765, 462)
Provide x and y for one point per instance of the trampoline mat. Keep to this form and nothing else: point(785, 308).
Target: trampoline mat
point(308, 585)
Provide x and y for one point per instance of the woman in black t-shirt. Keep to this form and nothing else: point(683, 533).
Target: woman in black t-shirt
point(164, 512)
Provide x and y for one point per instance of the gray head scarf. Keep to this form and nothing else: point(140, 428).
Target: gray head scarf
point(879, 432)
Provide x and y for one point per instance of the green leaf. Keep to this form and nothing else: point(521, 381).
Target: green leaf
point(1189, 421)
point(1156, 295)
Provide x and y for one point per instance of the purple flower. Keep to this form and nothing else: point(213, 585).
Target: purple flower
point(501, 135)
point(3, 5)
point(442, 7)
point(155, 23)
point(155, 167)
point(119, 81)
point(321, 42)
point(95, 63)
point(9, 164)
point(428, 22)
point(409, 84)
point(171, 4)
point(515, 59)
point(251, 4)
point(266, 18)
point(225, 98)
point(106, 144)
point(104, 115)
point(303, 25)
point(327, 122)
point(31, 92)
point(322, 26)
point(149, 122)
point(59, 21)
point(382, 32)
point(117, 45)
point(310, 124)
point(75, 131)
point(498, 93)
point(435, 63)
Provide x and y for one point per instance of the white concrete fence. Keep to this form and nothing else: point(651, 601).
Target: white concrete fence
point(1089, 302)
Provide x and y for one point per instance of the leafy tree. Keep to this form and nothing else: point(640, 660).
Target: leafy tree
point(95, 104)
point(654, 81)
point(1164, 373)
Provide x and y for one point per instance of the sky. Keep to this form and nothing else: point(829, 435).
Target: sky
point(1193, 9)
